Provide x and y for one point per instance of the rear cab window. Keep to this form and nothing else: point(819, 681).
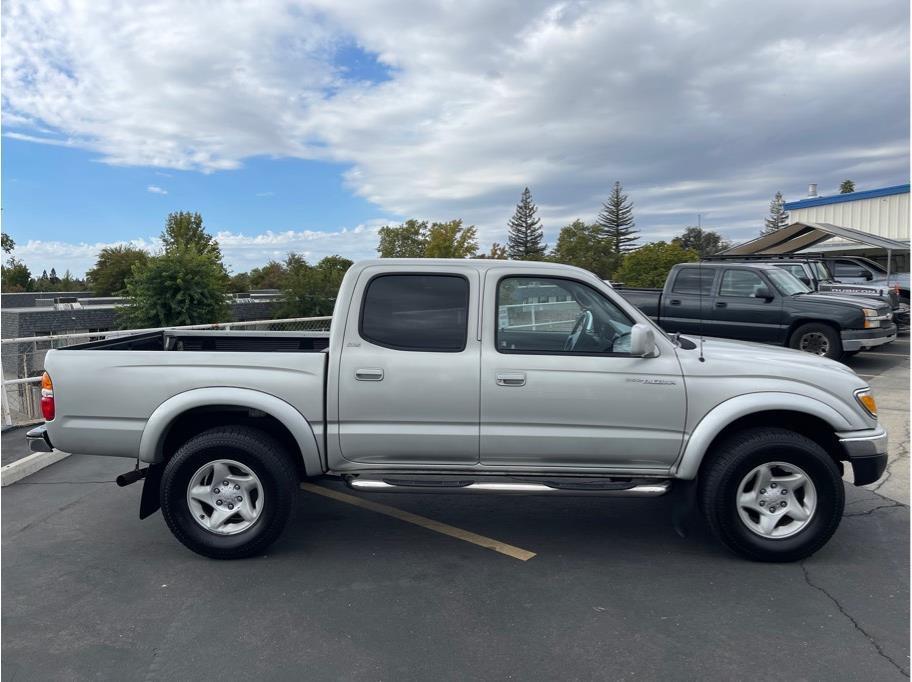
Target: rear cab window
point(416, 312)
point(694, 281)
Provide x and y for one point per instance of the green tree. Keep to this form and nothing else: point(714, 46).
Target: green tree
point(177, 287)
point(525, 239)
point(55, 280)
point(496, 252)
point(648, 266)
point(311, 289)
point(114, 267)
point(704, 242)
point(451, 240)
point(270, 276)
point(778, 216)
point(616, 221)
point(847, 187)
point(408, 240)
point(185, 229)
point(239, 283)
point(15, 275)
point(7, 243)
point(585, 247)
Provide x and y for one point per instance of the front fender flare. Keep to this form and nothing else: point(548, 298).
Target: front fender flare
point(150, 445)
point(727, 412)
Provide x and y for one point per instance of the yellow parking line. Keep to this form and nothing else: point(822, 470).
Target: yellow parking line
point(424, 522)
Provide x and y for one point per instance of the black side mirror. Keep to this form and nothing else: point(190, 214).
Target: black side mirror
point(764, 293)
point(867, 275)
point(805, 279)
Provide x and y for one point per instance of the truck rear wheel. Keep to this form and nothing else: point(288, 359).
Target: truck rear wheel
point(819, 339)
point(770, 494)
point(228, 492)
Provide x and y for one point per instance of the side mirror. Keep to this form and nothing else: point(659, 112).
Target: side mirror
point(764, 293)
point(642, 340)
point(805, 279)
point(867, 275)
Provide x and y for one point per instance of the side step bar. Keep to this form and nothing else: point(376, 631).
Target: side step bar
point(638, 487)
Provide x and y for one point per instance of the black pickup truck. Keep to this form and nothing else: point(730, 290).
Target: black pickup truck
point(759, 302)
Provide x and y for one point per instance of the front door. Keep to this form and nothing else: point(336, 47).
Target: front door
point(408, 382)
point(559, 387)
point(739, 313)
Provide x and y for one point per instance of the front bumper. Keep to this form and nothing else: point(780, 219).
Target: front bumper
point(859, 339)
point(38, 440)
point(867, 453)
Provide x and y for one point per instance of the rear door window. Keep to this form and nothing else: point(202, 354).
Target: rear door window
point(416, 312)
point(694, 281)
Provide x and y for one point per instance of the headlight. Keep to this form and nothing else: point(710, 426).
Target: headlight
point(866, 399)
point(871, 321)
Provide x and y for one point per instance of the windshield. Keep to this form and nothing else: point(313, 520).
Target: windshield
point(786, 283)
point(823, 272)
point(873, 265)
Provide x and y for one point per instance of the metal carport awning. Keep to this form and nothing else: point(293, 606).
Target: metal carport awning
point(798, 236)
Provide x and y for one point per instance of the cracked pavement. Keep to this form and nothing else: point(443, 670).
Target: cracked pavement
point(92, 592)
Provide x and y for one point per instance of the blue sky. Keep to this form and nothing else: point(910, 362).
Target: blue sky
point(306, 124)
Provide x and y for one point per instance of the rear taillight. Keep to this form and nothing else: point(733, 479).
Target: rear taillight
point(47, 397)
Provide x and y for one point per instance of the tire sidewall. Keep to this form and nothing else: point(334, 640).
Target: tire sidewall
point(834, 352)
point(175, 480)
point(827, 514)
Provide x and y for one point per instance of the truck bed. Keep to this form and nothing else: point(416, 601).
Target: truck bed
point(106, 391)
point(214, 340)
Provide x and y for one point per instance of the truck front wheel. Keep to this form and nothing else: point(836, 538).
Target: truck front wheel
point(770, 494)
point(228, 492)
point(819, 339)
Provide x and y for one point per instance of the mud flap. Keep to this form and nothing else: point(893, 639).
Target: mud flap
point(151, 500)
point(684, 506)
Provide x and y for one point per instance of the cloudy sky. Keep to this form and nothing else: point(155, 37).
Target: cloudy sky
point(305, 125)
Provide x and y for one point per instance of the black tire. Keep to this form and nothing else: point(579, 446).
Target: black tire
point(807, 334)
point(734, 459)
point(252, 448)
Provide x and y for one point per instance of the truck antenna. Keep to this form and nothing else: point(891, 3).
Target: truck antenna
point(700, 285)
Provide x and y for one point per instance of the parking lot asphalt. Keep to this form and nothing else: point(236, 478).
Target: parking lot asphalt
point(89, 591)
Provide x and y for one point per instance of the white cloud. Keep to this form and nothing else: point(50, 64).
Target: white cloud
point(240, 251)
point(155, 189)
point(696, 107)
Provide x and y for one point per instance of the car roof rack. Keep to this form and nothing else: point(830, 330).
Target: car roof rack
point(775, 256)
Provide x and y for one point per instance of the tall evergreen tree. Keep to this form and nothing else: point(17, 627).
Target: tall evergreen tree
point(778, 216)
point(847, 187)
point(616, 223)
point(525, 240)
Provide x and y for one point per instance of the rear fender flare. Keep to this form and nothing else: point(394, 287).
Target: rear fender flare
point(741, 406)
point(153, 436)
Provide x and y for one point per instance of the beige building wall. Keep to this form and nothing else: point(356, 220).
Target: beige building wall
point(883, 216)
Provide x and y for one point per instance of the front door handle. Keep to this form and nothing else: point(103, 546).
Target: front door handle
point(369, 374)
point(721, 304)
point(511, 379)
point(675, 301)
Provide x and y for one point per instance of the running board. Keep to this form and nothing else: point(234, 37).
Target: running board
point(624, 487)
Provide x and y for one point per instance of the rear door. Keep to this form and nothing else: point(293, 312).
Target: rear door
point(689, 300)
point(738, 313)
point(408, 382)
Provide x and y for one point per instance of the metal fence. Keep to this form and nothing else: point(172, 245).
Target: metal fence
point(23, 358)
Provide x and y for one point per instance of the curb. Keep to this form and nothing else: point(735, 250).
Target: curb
point(27, 466)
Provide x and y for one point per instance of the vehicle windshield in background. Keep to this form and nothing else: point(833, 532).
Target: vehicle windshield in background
point(787, 283)
point(823, 272)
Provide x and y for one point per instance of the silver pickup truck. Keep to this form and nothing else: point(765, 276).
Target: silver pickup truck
point(469, 376)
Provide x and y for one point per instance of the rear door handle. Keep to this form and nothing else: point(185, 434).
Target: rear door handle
point(675, 301)
point(511, 379)
point(369, 374)
point(721, 304)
